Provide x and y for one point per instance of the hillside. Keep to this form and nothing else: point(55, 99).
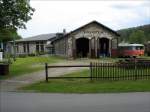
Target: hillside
point(140, 34)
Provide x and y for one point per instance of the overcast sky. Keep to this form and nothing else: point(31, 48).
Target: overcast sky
point(54, 16)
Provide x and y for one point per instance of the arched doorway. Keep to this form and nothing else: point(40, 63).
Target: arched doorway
point(82, 47)
point(104, 47)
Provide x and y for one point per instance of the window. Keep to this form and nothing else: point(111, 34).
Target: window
point(37, 47)
point(17, 48)
point(28, 48)
point(41, 46)
point(133, 48)
point(139, 47)
point(24, 47)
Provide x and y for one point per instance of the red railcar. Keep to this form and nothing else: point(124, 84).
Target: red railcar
point(128, 50)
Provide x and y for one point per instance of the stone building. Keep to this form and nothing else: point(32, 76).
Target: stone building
point(91, 40)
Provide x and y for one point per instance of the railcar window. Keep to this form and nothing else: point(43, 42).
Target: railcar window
point(131, 48)
point(139, 47)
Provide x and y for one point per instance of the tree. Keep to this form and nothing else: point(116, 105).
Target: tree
point(126, 33)
point(148, 37)
point(137, 37)
point(13, 15)
point(8, 34)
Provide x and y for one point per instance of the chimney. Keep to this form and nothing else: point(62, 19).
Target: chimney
point(64, 31)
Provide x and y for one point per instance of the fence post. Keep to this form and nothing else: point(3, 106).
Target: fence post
point(135, 68)
point(46, 71)
point(91, 71)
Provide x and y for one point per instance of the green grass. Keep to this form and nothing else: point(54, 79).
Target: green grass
point(86, 86)
point(145, 57)
point(101, 59)
point(29, 64)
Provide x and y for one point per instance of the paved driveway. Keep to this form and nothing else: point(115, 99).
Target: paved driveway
point(13, 83)
point(38, 102)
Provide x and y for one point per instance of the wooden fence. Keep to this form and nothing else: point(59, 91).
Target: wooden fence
point(109, 71)
point(63, 66)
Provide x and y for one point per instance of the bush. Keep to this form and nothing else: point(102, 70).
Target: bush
point(32, 54)
point(1, 50)
point(22, 55)
point(6, 61)
point(41, 53)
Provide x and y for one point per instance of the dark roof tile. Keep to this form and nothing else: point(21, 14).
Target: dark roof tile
point(41, 37)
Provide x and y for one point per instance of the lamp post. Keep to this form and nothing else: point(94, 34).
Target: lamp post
point(14, 48)
point(1, 51)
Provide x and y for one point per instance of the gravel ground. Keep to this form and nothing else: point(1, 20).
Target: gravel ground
point(12, 84)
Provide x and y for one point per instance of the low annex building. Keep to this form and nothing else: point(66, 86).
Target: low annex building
point(91, 40)
point(39, 44)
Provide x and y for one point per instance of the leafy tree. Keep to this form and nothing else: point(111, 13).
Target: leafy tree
point(8, 34)
point(137, 37)
point(13, 15)
point(147, 37)
point(126, 33)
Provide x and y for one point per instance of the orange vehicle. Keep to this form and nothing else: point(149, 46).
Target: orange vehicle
point(130, 50)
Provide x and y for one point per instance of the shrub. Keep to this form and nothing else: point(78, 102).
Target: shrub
point(32, 54)
point(22, 55)
point(41, 53)
point(1, 50)
point(6, 61)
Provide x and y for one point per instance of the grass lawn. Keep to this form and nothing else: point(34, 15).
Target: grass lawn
point(29, 65)
point(101, 59)
point(86, 86)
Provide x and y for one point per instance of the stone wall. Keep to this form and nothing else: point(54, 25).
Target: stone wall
point(61, 47)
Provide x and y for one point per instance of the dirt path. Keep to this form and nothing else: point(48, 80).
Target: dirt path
point(16, 82)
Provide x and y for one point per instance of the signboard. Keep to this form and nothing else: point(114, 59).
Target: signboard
point(88, 34)
point(1, 56)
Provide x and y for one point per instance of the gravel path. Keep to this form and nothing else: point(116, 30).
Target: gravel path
point(16, 82)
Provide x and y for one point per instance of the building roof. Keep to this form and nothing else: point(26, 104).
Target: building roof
point(95, 22)
point(57, 36)
point(41, 37)
point(98, 24)
point(127, 44)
